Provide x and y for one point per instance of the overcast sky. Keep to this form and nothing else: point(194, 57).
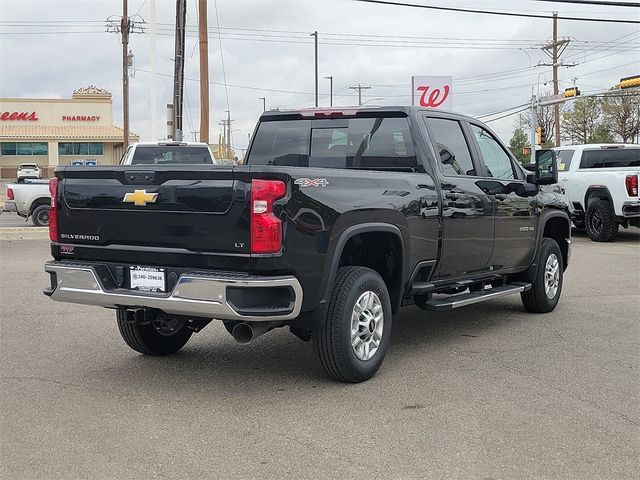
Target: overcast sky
point(267, 53)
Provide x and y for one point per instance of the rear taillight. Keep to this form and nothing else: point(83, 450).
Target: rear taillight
point(53, 213)
point(266, 228)
point(631, 182)
point(10, 194)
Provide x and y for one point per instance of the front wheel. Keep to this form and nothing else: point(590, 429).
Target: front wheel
point(355, 336)
point(162, 335)
point(547, 284)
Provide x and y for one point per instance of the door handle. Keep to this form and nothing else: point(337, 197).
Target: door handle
point(452, 196)
point(565, 179)
point(501, 196)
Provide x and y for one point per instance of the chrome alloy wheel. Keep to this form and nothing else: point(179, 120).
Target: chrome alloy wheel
point(551, 276)
point(367, 322)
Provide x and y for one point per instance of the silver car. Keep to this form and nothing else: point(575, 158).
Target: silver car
point(29, 170)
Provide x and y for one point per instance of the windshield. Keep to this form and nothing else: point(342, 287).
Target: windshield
point(360, 143)
point(28, 165)
point(171, 155)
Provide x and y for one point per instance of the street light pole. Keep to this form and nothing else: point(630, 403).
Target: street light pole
point(264, 103)
point(330, 78)
point(315, 35)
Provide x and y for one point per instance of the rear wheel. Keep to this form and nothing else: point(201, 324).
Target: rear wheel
point(355, 337)
point(162, 335)
point(601, 227)
point(40, 216)
point(547, 284)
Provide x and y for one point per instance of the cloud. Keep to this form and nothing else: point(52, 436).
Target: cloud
point(36, 65)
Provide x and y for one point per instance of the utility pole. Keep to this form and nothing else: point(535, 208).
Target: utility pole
point(124, 28)
point(226, 129)
point(204, 71)
point(532, 137)
point(330, 78)
point(153, 67)
point(556, 108)
point(178, 72)
point(315, 35)
point(554, 50)
point(359, 88)
point(125, 25)
point(264, 103)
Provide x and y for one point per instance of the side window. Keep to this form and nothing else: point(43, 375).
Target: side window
point(496, 160)
point(564, 159)
point(455, 158)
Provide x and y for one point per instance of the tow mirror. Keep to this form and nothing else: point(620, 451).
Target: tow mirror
point(546, 172)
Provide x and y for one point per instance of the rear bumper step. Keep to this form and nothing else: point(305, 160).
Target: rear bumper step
point(462, 300)
point(221, 297)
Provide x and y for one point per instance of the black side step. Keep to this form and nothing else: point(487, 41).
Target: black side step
point(462, 300)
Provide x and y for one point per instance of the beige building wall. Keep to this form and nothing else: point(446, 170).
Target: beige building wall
point(87, 117)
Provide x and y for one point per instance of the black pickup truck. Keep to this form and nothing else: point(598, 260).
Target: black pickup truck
point(336, 220)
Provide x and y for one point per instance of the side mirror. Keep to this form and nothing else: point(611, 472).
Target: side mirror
point(546, 172)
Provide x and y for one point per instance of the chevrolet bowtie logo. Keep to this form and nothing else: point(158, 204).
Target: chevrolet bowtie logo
point(140, 198)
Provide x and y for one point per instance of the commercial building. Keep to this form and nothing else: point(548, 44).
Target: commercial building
point(52, 132)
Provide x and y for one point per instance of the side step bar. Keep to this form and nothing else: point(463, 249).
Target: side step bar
point(462, 300)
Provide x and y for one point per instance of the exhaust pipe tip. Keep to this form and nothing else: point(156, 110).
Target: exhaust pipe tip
point(243, 333)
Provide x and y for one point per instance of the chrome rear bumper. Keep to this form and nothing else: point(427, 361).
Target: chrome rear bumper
point(198, 295)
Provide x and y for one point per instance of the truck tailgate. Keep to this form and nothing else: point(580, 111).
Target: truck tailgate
point(193, 208)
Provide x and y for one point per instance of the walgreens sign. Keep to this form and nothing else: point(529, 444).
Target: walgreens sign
point(432, 92)
point(21, 116)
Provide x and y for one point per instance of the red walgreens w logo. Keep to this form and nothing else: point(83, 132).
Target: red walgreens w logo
point(436, 97)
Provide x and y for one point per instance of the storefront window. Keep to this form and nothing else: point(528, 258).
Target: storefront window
point(81, 149)
point(65, 148)
point(74, 148)
point(25, 148)
point(8, 148)
point(40, 148)
point(96, 149)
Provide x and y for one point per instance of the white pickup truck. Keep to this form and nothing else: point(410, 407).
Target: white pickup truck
point(168, 153)
point(30, 198)
point(601, 187)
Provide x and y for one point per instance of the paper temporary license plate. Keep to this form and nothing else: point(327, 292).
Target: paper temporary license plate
point(149, 279)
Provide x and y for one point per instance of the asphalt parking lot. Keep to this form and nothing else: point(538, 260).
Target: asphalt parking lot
point(488, 392)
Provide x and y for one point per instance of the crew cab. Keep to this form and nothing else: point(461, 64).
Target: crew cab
point(336, 220)
point(29, 199)
point(601, 187)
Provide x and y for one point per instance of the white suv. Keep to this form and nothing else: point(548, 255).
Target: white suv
point(601, 187)
point(28, 170)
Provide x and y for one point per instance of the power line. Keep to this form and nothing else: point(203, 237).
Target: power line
point(224, 73)
point(489, 12)
point(594, 2)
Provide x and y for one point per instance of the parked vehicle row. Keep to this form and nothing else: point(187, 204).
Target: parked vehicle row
point(601, 187)
point(336, 220)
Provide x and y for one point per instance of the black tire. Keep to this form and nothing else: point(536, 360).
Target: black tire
point(145, 339)
point(601, 227)
point(332, 340)
point(40, 216)
point(536, 299)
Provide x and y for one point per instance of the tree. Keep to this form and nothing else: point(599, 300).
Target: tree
point(519, 141)
point(621, 112)
point(584, 123)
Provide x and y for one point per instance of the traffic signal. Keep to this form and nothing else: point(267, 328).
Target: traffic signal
point(541, 135)
point(571, 92)
point(630, 82)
